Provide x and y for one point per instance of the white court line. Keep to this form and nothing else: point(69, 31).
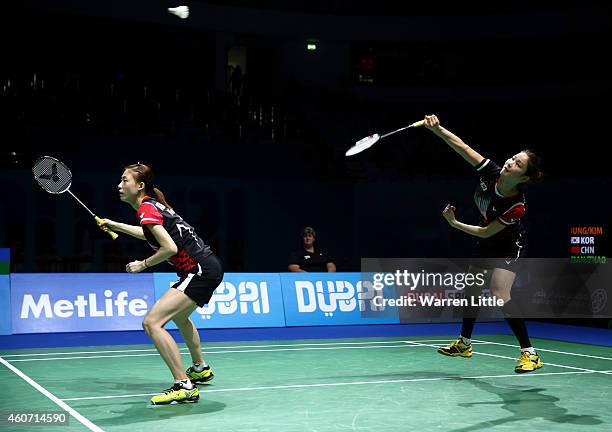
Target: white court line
point(88, 424)
point(184, 351)
point(547, 350)
point(223, 347)
point(513, 358)
point(215, 352)
point(342, 384)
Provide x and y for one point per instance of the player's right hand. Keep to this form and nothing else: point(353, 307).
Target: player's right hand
point(106, 224)
point(432, 122)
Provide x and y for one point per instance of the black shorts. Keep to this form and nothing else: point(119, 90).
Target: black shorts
point(504, 252)
point(200, 282)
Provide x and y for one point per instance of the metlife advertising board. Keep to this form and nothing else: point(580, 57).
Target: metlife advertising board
point(67, 302)
point(62, 302)
point(241, 300)
point(318, 299)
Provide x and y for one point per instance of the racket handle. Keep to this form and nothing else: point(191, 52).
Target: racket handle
point(110, 232)
point(417, 124)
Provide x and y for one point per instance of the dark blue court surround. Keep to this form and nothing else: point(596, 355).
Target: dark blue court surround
point(589, 335)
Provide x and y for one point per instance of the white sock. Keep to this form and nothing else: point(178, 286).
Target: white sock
point(199, 367)
point(185, 383)
point(530, 350)
point(465, 340)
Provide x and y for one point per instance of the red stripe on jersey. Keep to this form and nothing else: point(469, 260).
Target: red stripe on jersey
point(149, 215)
point(513, 214)
point(183, 261)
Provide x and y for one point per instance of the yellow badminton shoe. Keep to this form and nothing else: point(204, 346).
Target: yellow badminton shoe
point(528, 362)
point(456, 349)
point(204, 375)
point(176, 394)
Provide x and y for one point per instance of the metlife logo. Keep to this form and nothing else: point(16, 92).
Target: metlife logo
point(79, 302)
point(83, 306)
point(241, 300)
point(332, 299)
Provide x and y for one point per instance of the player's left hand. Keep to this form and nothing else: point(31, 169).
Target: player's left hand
point(449, 213)
point(135, 267)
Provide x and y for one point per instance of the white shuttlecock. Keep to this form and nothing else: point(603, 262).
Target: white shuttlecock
point(180, 11)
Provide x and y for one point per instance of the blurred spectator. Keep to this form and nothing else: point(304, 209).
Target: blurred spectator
point(309, 259)
point(236, 78)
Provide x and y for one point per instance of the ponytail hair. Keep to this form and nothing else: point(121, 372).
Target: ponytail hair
point(161, 197)
point(142, 173)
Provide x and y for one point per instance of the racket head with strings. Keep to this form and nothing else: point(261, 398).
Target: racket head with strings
point(363, 144)
point(52, 175)
point(55, 177)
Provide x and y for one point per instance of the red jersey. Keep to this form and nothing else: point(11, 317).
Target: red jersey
point(191, 248)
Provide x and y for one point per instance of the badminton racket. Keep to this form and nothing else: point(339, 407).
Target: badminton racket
point(54, 177)
point(369, 141)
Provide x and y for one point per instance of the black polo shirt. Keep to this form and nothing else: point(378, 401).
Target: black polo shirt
point(311, 262)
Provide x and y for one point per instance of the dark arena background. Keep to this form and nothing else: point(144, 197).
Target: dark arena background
point(245, 110)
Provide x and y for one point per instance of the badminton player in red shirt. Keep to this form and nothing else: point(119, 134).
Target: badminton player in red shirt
point(199, 270)
point(501, 236)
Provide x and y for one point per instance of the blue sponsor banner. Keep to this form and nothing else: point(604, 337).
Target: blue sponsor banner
point(63, 302)
point(5, 305)
point(241, 300)
point(314, 299)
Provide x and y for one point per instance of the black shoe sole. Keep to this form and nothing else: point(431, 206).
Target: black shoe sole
point(451, 355)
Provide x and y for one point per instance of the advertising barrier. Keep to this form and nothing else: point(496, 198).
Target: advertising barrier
point(241, 300)
point(387, 292)
point(66, 302)
point(315, 299)
point(5, 305)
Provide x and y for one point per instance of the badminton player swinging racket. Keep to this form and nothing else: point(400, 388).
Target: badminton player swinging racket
point(199, 271)
point(501, 237)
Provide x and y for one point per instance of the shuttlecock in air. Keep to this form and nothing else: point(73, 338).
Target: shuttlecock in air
point(180, 11)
